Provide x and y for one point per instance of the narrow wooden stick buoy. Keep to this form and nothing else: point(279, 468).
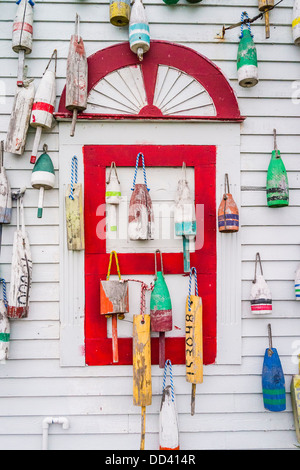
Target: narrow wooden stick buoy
point(22, 34)
point(5, 194)
point(264, 5)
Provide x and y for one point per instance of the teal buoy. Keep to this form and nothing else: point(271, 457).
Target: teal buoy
point(247, 58)
point(43, 177)
point(277, 180)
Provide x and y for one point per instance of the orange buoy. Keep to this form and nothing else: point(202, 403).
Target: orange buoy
point(228, 213)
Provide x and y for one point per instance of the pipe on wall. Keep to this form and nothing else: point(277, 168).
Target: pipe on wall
point(46, 424)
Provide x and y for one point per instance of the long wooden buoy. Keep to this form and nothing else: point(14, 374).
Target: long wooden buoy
point(168, 418)
point(193, 338)
point(4, 326)
point(260, 297)
point(277, 181)
point(185, 218)
point(295, 398)
point(160, 308)
point(113, 199)
point(139, 32)
point(22, 34)
point(119, 12)
point(21, 268)
point(264, 5)
point(5, 194)
point(140, 215)
point(43, 177)
point(228, 213)
point(142, 378)
point(247, 58)
point(273, 383)
point(74, 211)
point(43, 106)
point(77, 76)
point(296, 22)
point(114, 302)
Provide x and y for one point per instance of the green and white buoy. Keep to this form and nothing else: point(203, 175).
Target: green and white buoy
point(277, 180)
point(43, 177)
point(247, 57)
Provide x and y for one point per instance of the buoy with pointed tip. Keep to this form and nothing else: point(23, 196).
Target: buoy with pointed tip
point(22, 34)
point(113, 199)
point(296, 22)
point(247, 58)
point(277, 180)
point(77, 76)
point(139, 32)
point(119, 12)
point(43, 105)
point(43, 177)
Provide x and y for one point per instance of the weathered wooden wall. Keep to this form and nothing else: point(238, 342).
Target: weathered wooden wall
point(97, 401)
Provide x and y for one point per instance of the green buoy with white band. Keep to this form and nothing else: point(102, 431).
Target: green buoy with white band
point(43, 177)
point(247, 58)
point(277, 180)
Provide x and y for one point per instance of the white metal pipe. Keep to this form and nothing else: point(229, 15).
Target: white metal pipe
point(46, 424)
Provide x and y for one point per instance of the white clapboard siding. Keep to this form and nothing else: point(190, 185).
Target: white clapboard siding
point(98, 400)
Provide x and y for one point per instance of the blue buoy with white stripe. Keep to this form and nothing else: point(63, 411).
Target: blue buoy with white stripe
point(139, 32)
point(297, 283)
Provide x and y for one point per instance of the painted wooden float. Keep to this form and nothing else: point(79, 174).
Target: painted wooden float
point(4, 326)
point(260, 296)
point(139, 32)
point(119, 12)
point(295, 399)
point(168, 418)
point(247, 58)
point(277, 181)
point(74, 211)
point(264, 5)
point(228, 213)
point(43, 177)
point(22, 34)
point(296, 22)
point(113, 199)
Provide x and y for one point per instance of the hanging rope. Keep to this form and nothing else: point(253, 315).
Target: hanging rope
point(2, 281)
point(190, 286)
point(243, 16)
point(257, 260)
point(74, 175)
point(169, 363)
point(136, 170)
point(117, 264)
point(144, 287)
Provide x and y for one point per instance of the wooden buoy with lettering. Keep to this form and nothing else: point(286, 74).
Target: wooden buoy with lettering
point(264, 6)
point(112, 199)
point(295, 398)
point(5, 194)
point(141, 215)
point(139, 32)
point(277, 180)
point(4, 326)
point(21, 267)
point(168, 418)
point(185, 218)
point(260, 297)
point(74, 211)
point(296, 22)
point(119, 12)
point(114, 302)
point(22, 34)
point(142, 377)
point(247, 58)
point(193, 338)
point(273, 383)
point(160, 308)
point(228, 213)
point(43, 177)
point(77, 76)
point(43, 105)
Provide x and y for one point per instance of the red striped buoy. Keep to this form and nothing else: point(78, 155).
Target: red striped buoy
point(261, 299)
point(22, 34)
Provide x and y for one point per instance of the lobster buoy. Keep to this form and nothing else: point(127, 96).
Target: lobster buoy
point(119, 12)
point(141, 215)
point(4, 326)
point(113, 199)
point(168, 418)
point(247, 58)
point(228, 213)
point(297, 283)
point(277, 180)
point(171, 2)
point(296, 22)
point(43, 106)
point(265, 5)
point(260, 297)
point(139, 32)
point(74, 211)
point(295, 398)
point(77, 76)
point(43, 177)
point(5, 194)
point(22, 34)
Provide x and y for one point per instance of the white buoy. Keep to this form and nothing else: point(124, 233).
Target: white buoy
point(22, 34)
point(43, 177)
point(43, 106)
point(139, 32)
point(112, 198)
point(260, 297)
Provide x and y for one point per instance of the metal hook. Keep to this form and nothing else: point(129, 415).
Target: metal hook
point(257, 259)
point(77, 23)
point(270, 350)
point(113, 165)
point(161, 263)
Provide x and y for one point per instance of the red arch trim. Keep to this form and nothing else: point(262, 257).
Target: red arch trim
point(183, 58)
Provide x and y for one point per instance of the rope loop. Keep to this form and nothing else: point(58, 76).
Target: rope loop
point(109, 265)
point(257, 260)
point(136, 170)
point(243, 16)
point(169, 363)
point(74, 175)
point(3, 282)
point(193, 269)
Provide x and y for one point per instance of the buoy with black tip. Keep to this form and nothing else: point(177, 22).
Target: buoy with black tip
point(260, 297)
point(4, 326)
point(76, 77)
point(228, 213)
point(119, 12)
point(273, 383)
point(139, 32)
point(264, 6)
point(43, 177)
point(168, 418)
point(295, 398)
point(296, 22)
point(194, 1)
point(22, 34)
point(160, 308)
point(5, 194)
point(43, 105)
point(112, 199)
point(277, 180)
point(247, 57)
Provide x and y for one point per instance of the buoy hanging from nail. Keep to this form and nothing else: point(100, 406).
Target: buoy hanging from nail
point(273, 383)
point(168, 418)
point(160, 308)
point(5, 194)
point(185, 217)
point(264, 5)
point(247, 57)
point(74, 211)
point(77, 76)
point(43, 177)
point(277, 180)
point(43, 106)
point(193, 338)
point(139, 32)
point(4, 326)
point(22, 34)
point(295, 399)
point(260, 297)
point(21, 267)
point(119, 12)
point(112, 199)
point(228, 213)
point(296, 22)
point(141, 215)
